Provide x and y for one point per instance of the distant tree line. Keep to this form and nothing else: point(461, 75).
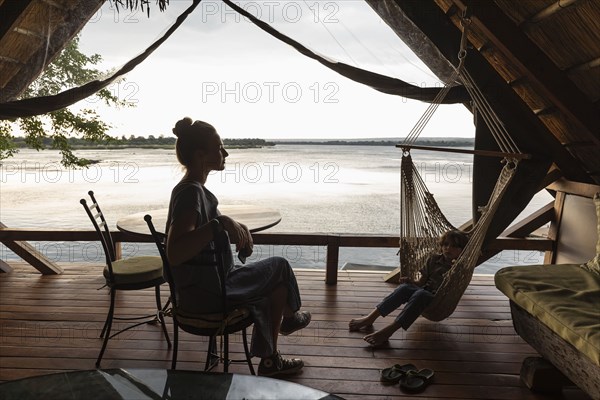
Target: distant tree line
point(441, 142)
point(140, 141)
point(169, 142)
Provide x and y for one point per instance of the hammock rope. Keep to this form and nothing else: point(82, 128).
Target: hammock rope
point(421, 220)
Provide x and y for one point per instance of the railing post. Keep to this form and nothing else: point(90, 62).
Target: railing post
point(559, 205)
point(118, 251)
point(333, 255)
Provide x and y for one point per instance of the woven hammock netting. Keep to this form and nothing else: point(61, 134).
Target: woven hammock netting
point(422, 224)
point(421, 220)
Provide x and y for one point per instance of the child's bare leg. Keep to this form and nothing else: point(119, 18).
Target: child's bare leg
point(381, 336)
point(356, 324)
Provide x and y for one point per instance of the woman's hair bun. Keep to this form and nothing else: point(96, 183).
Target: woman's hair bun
point(182, 125)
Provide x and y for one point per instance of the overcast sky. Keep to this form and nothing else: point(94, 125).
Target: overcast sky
point(220, 68)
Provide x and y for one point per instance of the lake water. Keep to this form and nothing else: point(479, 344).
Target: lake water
point(317, 188)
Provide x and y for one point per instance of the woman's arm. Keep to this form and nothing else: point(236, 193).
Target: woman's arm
point(184, 241)
point(238, 234)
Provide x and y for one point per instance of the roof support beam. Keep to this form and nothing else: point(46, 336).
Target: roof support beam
point(10, 11)
point(72, 23)
point(533, 63)
point(529, 132)
point(549, 11)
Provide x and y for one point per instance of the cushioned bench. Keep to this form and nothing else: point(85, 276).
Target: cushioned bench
point(556, 308)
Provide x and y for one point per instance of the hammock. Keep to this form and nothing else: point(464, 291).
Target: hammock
point(421, 220)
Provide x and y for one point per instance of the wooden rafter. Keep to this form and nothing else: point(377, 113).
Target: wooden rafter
point(535, 64)
point(433, 22)
point(548, 12)
point(72, 23)
point(11, 11)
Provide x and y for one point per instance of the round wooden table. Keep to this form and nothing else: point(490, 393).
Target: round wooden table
point(254, 217)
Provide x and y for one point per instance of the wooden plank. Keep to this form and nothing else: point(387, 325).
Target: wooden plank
point(430, 19)
point(12, 12)
point(4, 267)
point(30, 254)
point(576, 188)
point(559, 205)
point(524, 228)
point(51, 324)
point(333, 256)
point(64, 235)
point(534, 221)
point(536, 65)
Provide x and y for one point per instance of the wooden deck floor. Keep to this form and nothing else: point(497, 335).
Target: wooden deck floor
point(51, 324)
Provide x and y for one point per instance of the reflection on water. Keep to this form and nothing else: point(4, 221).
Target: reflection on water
point(331, 189)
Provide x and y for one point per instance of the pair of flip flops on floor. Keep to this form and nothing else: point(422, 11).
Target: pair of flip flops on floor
point(412, 379)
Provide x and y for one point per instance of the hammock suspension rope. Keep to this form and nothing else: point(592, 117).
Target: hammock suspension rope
point(421, 220)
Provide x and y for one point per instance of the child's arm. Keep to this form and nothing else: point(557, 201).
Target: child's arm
point(420, 282)
point(425, 272)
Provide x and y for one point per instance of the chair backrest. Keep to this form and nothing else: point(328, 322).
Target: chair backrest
point(101, 226)
point(160, 240)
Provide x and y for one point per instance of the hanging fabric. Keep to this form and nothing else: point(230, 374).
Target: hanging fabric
point(42, 105)
point(382, 83)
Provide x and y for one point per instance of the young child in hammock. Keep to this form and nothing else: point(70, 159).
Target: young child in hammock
point(416, 294)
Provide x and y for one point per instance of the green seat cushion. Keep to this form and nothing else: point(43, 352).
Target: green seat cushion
point(564, 297)
point(136, 270)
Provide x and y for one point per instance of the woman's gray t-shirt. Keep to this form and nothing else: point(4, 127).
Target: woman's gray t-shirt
point(197, 280)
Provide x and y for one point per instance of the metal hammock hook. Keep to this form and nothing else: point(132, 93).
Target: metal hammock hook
point(465, 22)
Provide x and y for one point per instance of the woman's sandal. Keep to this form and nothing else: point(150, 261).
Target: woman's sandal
point(416, 381)
point(394, 373)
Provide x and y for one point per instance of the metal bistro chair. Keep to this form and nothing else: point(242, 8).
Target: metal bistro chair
point(134, 273)
point(210, 325)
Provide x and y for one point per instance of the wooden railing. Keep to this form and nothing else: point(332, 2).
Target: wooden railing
point(332, 242)
point(513, 238)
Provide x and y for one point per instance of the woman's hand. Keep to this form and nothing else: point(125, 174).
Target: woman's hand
point(238, 234)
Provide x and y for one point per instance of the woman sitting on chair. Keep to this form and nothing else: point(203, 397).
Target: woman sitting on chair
point(267, 287)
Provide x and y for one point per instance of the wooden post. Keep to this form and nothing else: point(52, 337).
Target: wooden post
point(559, 204)
point(393, 276)
point(333, 255)
point(118, 250)
point(4, 267)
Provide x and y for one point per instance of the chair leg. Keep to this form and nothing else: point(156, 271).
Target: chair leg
point(226, 360)
point(107, 326)
point(212, 358)
point(175, 343)
point(160, 315)
point(108, 317)
point(247, 351)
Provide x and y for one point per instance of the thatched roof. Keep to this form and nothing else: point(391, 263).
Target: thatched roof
point(537, 60)
point(545, 55)
point(32, 33)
